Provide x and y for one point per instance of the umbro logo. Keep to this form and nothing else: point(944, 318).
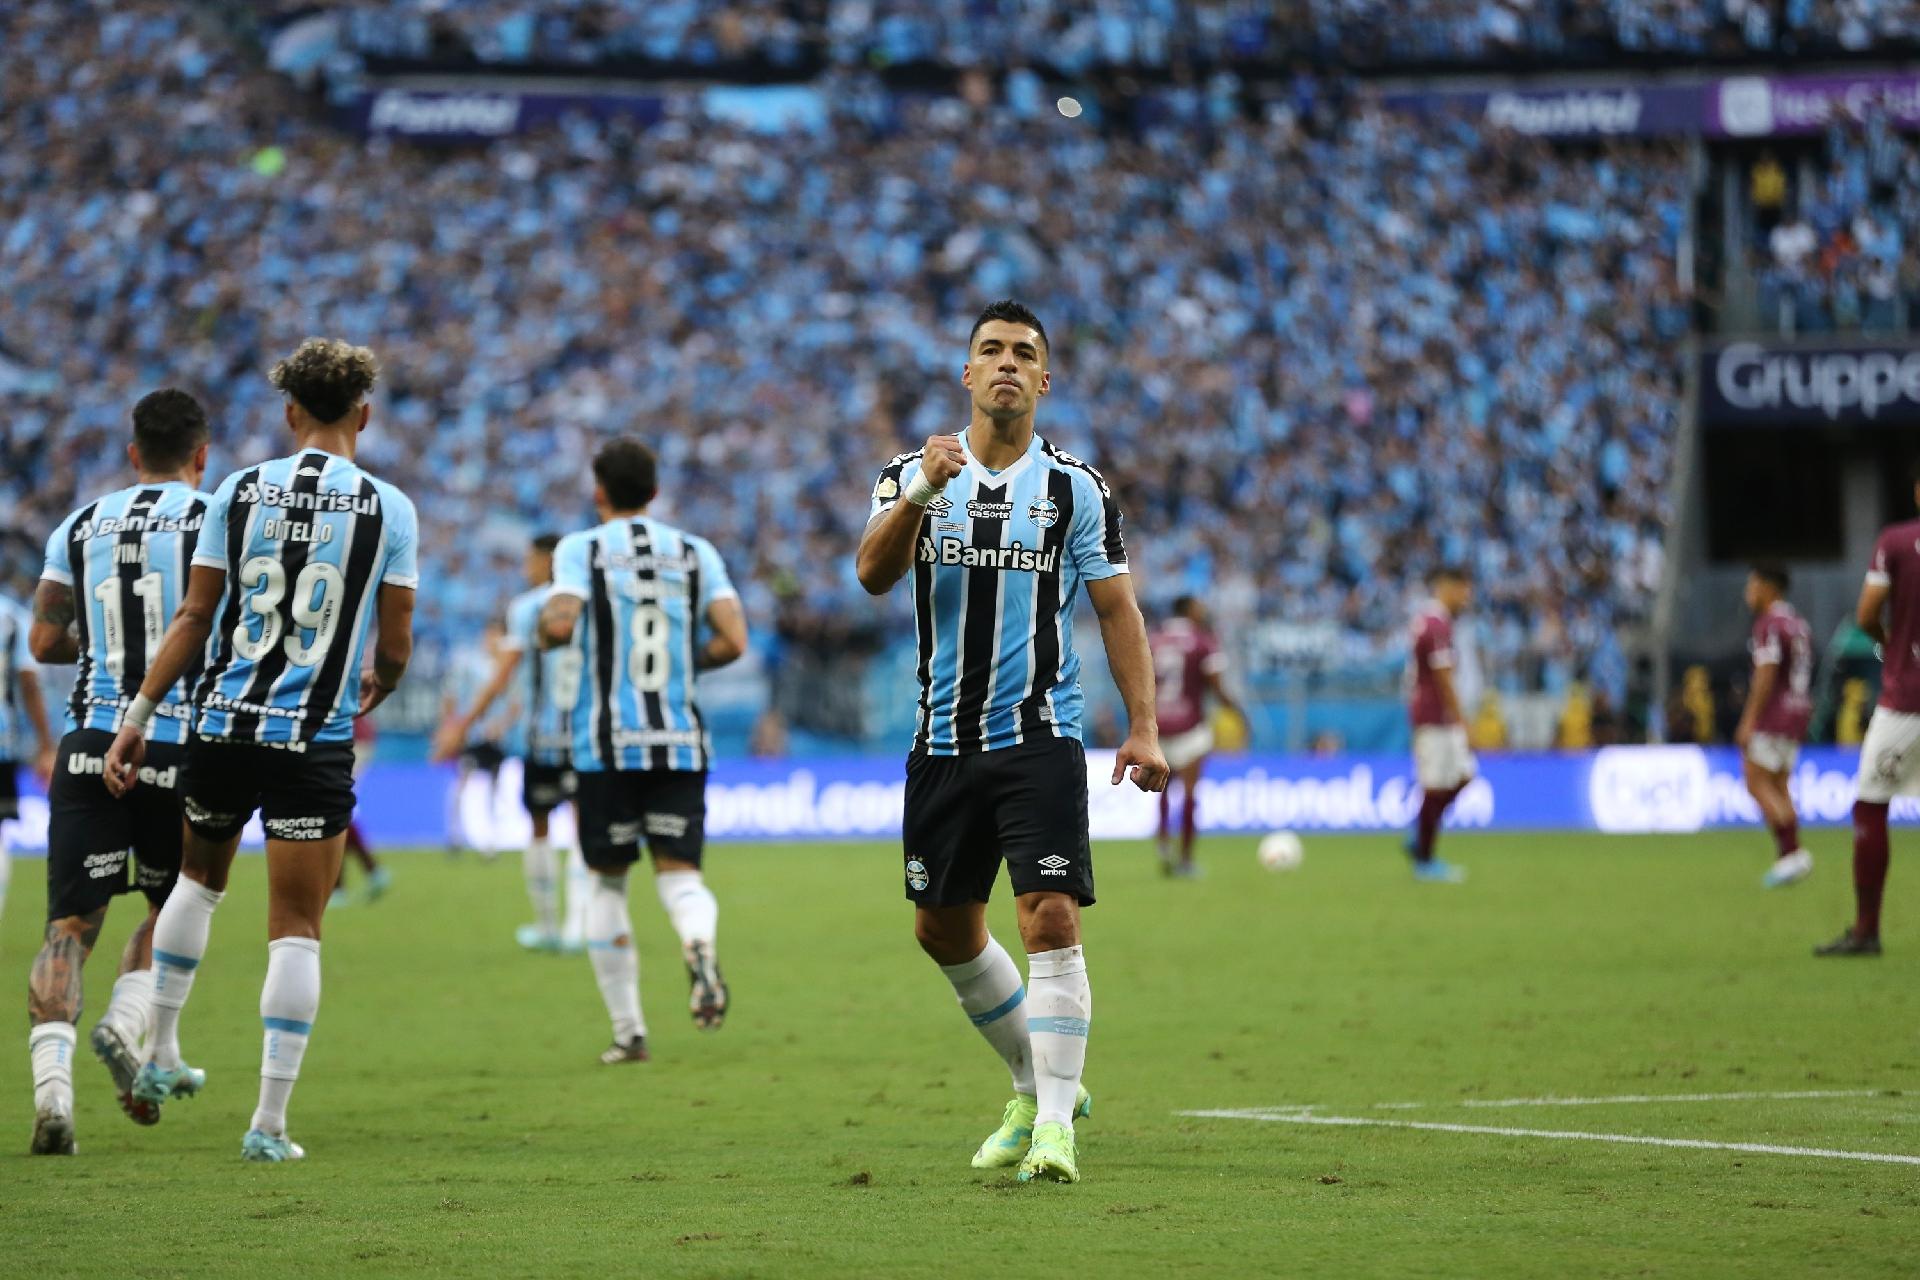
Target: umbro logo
point(939, 507)
point(1054, 865)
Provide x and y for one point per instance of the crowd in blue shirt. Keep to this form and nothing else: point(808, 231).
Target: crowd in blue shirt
point(1316, 354)
point(1080, 35)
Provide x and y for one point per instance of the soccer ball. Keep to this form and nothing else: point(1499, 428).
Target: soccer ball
point(1281, 851)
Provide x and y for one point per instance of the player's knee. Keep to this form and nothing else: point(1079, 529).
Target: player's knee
point(945, 939)
point(1049, 921)
point(67, 928)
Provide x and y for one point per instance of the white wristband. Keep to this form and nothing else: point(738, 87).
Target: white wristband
point(139, 714)
point(920, 490)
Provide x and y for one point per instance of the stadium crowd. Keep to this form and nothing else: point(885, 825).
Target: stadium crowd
point(1315, 354)
point(1840, 249)
point(1077, 35)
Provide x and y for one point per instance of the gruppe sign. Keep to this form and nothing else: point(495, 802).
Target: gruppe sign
point(1623, 790)
point(1786, 384)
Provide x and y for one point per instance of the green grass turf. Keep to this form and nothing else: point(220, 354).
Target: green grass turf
point(457, 1120)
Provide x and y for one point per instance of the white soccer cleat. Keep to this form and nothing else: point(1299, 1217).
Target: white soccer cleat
point(1792, 869)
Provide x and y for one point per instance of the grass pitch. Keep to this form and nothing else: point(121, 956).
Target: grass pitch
point(457, 1122)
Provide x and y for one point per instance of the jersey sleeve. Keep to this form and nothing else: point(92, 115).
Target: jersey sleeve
point(572, 574)
point(59, 566)
point(1213, 660)
point(1766, 645)
point(1096, 544)
point(402, 568)
point(520, 615)
point(210, 547)
point(1880, 573)
point(893, 479)
point(1436, 646)
point(714, 582)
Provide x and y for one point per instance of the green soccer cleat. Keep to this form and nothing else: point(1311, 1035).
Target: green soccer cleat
point(1006, 1145)
point(155, 1084)
point(1052, 1157)
point(261, 1147)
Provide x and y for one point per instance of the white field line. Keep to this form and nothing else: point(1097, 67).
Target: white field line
point(1303, 1115)
point(1647, 1099)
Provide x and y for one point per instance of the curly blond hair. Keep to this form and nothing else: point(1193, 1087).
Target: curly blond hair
point(326, 377)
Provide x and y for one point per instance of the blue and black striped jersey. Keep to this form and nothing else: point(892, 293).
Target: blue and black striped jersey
point(645, 587)
point(1000, 558)
point(125, 559)
point(15, 657)
point(546, 685)
point(305, 542)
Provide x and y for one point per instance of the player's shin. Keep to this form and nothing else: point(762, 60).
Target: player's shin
point(1871, 853)
point(616, 965)
point(690, 906)
point(179, 942)
point(991, 995)
point(288, 1002)
point(131, 1006)
point(1059, 1013)
point(542, 871)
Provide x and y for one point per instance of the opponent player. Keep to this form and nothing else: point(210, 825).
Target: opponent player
point(300, 562)
point(1443, 764)
point(1187, 663)
point(545, 686)
point(1889, 612)
point(1777, 713)
point(658, 609)
point(114, 574)
point(999, 529)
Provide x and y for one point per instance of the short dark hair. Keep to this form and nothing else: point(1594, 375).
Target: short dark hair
point(627, 473)
point(545, 542)
point(1449, 572)
point(1183, 606)
point(1773, 574)
point(1014, 312)
point(168, 426)
point(326, 377)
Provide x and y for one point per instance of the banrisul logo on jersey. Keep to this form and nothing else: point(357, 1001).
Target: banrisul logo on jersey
point(1018, 557)
point(273, 495)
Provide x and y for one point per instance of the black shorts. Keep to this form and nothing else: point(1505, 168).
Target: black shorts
point(1025, 804)
point(9, 789)
point(303, 792)
point(617, 808)
point(545, 787)
point(487, 757)
point(97, 846)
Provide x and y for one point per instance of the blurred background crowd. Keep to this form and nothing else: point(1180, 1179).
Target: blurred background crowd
point(1317, 348)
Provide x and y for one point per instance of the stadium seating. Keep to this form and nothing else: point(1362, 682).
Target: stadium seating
point(1250, 320)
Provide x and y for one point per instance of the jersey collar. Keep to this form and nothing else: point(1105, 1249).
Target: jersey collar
point(994, 480)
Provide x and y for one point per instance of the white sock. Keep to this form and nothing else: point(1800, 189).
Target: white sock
point(6, 862)
point(690, 905)
point(50, 1045)
point(579, 898)
point(1059, 1008)
point(131, 1005)
point(542, 871)
point(616, 965)
point(456, 828)
point(288, 1002)
point(990, 994)
point(179, 940)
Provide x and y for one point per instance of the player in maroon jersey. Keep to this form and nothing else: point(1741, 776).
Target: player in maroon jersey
point(1187, 663)
point(1443, 763)
point(1777, 713)
point(1889, 611)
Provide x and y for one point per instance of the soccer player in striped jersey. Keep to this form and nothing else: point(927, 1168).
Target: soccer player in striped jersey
point(115, 571)
point(21, 704)
point(545, 684)
point(303, 564)
point(648, 607)
point(999, 529)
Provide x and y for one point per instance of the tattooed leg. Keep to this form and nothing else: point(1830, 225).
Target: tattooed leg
point(53, 989)
point(139, 950)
